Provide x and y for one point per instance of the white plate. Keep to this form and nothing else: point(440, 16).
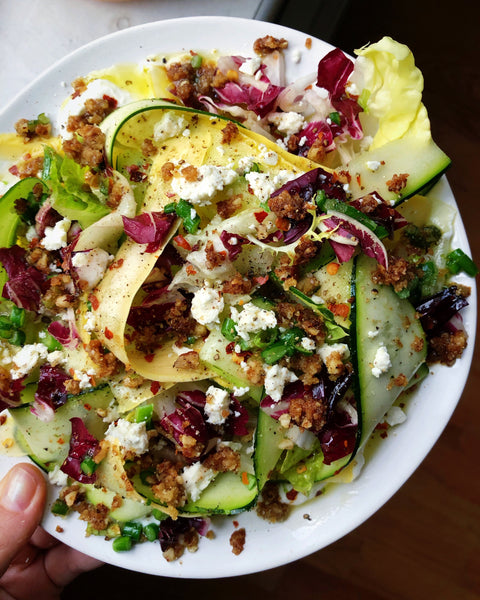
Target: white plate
point(342, 508)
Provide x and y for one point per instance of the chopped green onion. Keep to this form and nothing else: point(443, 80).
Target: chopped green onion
point(43, 119)
point(185, 211)
point(228, 329)
point(17, 316)
point(18, 338)
point(132, 530)
point(458, 261)
point(191, 339)
point(59, 507)
point(151, 531)
point(51, 343)
point(159, 515)
point(264, 338)
point(144, 413)
point(122, 544)
point(196, 61)
point(145, 476)
point(6, 334)
point(88, 465)
point(334, 117)
point(5, 322)
point(274, 353)
point(170, 208)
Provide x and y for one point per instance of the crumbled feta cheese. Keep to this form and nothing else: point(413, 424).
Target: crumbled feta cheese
point(246, 163)
point(56, 237)
point(276, 379)
point(131, 436)
point(84, 379)
point(373, 165)
point(381, 362)
point(28, 358)
point(264, 184)
point(31, 231)
point(317, 299)
point(373, 334)
point(296, 55)
point(57, 357)
point(250, 66)
point(91, 265)
point(240, 391)
point(307, 344)
point(90, 320)
point(216, 405)
point(210, 180)
point(57, 477)
point(288, 122)
point(351, 89)
point(168, 126)
point(207, 304)
point(395, 416)
point(186, 132)
point(196, 478)
point(327, 349)
point(269, 157)
point(251, 319)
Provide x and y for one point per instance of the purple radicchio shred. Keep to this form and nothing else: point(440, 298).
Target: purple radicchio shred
point(196, 398)
point(333, 72)
point(149, 228)
point(186, 420)
point(51, 386)
point(297, 229)
point(82, 445)
point(314, 130)
point(170, 530)
point(237, 420)
point(293, 390)
point(233, 243)
point(26, 284)
point(308, 184)
point(12, 396)
point(337, 441)
point(343, 252)
point(435, 312)
point(47, 216)
point(142, 316)
point(67, 336)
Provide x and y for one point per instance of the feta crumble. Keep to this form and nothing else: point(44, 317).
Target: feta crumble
point(381, 362)
point(168, 126)
point(264, 184)
point(250, 66)
point(395, 416)
point(207, 304)
point(28, 358)
point(56, 237)
point(57, 477)
point(217, 405)
point(373, 165)
point(252, 319)
point(210, 180)
point(91, 265)
point(288, 122)
point(276, 379)
point(131, 436)
point(196, 478)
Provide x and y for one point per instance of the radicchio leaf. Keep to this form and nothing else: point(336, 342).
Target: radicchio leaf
point(172, 530)
point(233, 243)
point(149, 228)
point(308, 184)
point(50, 393)
point(26, 284)
point(435, 312)
point(82, 445)
point(68, 336)
point(236, 423)
point(10, 395)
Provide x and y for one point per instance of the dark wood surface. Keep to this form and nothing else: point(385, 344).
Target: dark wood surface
point(424, 544)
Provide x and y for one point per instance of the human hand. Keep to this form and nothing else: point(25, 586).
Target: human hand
point(32, 563)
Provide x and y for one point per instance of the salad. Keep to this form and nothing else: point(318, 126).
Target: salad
point(218, 284)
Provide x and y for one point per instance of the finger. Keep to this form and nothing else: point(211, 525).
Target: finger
point(63, 564)
point(42, 539)
point(22, 500)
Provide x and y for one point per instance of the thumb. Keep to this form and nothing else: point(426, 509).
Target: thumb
point(22, 500)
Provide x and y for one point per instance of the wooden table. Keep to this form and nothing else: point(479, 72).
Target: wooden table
point(424, 544)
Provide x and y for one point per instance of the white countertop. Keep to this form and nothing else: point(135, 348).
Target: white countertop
point(34, 34)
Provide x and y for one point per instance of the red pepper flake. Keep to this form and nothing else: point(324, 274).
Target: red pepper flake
point(116, 264)
point(291, 495)
point(155, 387)
point(14, 170)
point(260, 280)
point(282, 224)
point(60, 441)
point(190, 270)
point(108, 333)
point(94, 301)
point(381, 426)
point(87, 406)
point(149, 357)
point(230, 348)
point(235, 523)
point(359, 180)
point(244, 478)
point(261, 216)
point(339, 310)
point(182, 242)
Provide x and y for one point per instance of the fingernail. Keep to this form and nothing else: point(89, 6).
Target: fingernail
point(18, 490)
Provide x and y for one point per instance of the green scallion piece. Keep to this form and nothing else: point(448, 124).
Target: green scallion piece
point(274, 353)
point(151, 531)
point(196, 61)
point(228, 329)
point(51, 343)
point(170, 208)
point(122, 544)
point(88, 465)
point(144, 413)
point(159, 515)
point(5, 322)
point(59, 507)
point(18, 338)
point(458, 261)
point(17, 316)
point(132, 530)
point(334, 117)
